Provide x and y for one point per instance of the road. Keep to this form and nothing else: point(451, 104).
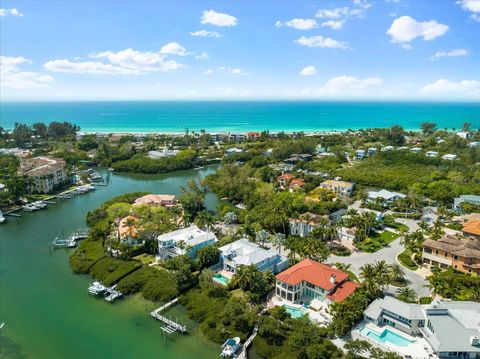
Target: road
point(388, 254)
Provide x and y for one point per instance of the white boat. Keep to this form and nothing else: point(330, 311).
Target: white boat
point(111, 169)
point(230, 347)
point(97, 288)
point(30, 208)
point(2, 218)
point(39, 204)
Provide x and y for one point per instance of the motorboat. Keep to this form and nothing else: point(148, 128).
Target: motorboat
point(97, 288)
point(30, 207)
point(230, 347)
point(40, 204)
point(2, 218)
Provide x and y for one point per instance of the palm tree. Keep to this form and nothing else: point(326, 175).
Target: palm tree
point(344, 267)
point(277, 240)
point(407, 294)
point(396, 272)
point(262, 236)
point(230, 218)
point(130, 223)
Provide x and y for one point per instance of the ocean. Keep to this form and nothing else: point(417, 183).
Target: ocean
point(241, 116)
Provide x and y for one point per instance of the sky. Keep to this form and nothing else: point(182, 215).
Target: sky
point(306, 50)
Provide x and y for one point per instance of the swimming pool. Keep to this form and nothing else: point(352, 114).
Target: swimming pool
point(220, 278)
point(386, 336)
point(294, 312)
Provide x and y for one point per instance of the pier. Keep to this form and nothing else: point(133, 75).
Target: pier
point(71, 241)
point(171, 325)
point(242, 354)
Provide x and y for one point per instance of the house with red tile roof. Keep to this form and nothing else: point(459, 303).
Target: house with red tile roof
point(296, 183)
point(284, 179)
point(308, 280)
point(471, 229)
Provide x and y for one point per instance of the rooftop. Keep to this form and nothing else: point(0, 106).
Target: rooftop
point(190, 235)
point(312, 272)
point(337, 183)
point(40, 166)
point(385, 194)
point(243, 252)
point(472, 227)
point(464, 247)
point(159, 199)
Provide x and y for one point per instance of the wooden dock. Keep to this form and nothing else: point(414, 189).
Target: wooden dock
point(171, 325)
point(242, 354)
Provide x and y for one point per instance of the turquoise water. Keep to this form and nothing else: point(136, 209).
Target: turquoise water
point(47, 311)
point(294, 312)
point(220, 278)
point(387, 336)
point(239, 116)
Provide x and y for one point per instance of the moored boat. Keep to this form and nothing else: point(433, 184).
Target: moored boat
point(230, 347)
point(30, 208)
point(2, 218)
point(39, 204)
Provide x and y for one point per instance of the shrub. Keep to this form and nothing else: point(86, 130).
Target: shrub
point(87, 254)
point(110, 270)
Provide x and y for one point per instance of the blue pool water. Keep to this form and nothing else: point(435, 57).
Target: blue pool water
point(220, 278)
point(387, 336)
point(294, 312)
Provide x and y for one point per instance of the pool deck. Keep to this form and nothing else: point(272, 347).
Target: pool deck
point(320, 317)
point(418, 349)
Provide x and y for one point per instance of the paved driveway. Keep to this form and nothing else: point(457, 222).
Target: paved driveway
point(388, 254)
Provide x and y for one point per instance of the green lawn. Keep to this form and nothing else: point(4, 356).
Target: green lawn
point(398, 226)
point(376, 241)
point(406, 259)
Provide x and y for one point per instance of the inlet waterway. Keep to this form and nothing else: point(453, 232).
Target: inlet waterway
point(46, 309)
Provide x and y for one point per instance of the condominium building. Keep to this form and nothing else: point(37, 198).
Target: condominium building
point(462, 254)
point(45, 173)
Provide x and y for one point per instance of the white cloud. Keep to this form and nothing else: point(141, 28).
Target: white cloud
point(209, 72)
point(348, 85)
point(452, 53)
point(308, 71)
point(442, 86)
point(13, 12)
point(205, 33)
point(299, 24)
point(12, 76)
point(334, 24)
point(320, 41)
point(473, 6)
point(405, 29)
point(218, 19)
point(173, 48)
point(124, 62)
point(202, 56)
point(233, 70)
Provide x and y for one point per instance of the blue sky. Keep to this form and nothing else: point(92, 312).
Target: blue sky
point(352, 49)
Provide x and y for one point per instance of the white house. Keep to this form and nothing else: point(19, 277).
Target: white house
point(387, 148)
point(449, 157)
point(161, 154)
point(244, 253)
point(342, 188)
point(431, 154)
point(415, 150)
point(463, 134)
point(372, 151)
point(233, 151)
point(359, 154)
point(384, 194)
point(184, 241)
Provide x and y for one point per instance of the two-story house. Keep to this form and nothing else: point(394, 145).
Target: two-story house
point(308, 280)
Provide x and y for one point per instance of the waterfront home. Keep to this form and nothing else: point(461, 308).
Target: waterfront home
point(309, 280)
point(217, 137)
point(471, 229)
point(127, 232)
point(284, 179)
point(385, 195)
point(162, 154)
point(237, 137)
point(416, 150)
point(295, 184)
point(449, 329)
point(341, 188)
point(46, 173)
point(449, 157)
point(306, 223)
point(244, 253)
point(359, 154)
point(164, 200)
point(254, 135)
point(466, 198)
point(431, 154)
point(463, 134)
point(462, 254)
point(184, 241)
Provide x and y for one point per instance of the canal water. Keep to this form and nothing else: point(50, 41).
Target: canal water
point(46, 309)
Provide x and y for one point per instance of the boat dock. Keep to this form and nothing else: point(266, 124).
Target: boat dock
point(171, 325)
point(109, 293)
point(61, 242)
point(242, 354)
